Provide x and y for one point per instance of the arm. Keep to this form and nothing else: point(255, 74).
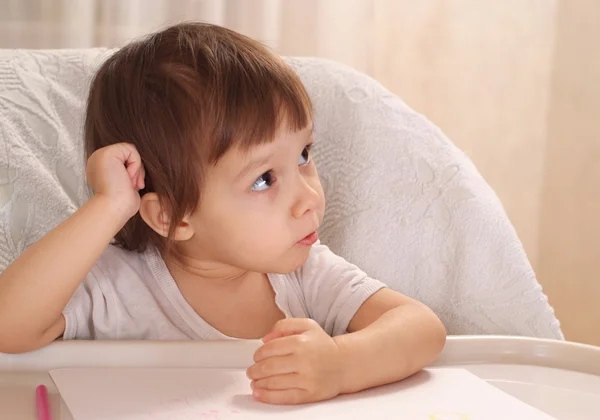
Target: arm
point(35, 289)
point(380, 336)
point(391, 337)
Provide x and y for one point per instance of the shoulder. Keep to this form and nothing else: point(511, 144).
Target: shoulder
point(116, 263)
point(114, 258)
point(322, 259)
point(333, 288)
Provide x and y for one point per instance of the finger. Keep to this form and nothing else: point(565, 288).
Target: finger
point(277, 347)
point(141, 182)
point(133, 166)
point(284, 397)
point(133, 163)
point(273, 366)
point(290, 326)
point(130, 156)
point(134, 178)
point(278, 382)
point(139, 179)
point(271, 336)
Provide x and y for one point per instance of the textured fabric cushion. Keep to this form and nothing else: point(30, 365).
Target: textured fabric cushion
point(42, 96)
point(404, 204)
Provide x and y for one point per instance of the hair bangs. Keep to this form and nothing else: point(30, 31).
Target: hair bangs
point(256, 105)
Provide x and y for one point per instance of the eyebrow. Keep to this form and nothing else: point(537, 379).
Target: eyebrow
point(253, 165)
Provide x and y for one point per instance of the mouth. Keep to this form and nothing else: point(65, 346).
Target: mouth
point(309, 239)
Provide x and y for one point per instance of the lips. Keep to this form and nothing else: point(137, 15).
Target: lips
point(309, 240)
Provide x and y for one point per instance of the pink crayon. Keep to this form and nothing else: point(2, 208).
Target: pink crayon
point(43, 405)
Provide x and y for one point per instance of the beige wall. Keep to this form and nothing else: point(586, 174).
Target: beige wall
point(569, 252)
point(481, 71)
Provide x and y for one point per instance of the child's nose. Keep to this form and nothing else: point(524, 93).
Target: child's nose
point(307, 199)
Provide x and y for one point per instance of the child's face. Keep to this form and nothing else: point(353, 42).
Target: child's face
point(257, 205)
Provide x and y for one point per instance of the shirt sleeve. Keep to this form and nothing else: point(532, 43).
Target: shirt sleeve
point(87, 313)
point(334, 289)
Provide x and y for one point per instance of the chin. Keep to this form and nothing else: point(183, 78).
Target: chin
point(291, 261)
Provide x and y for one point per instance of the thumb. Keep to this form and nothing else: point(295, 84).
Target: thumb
point(290, 326)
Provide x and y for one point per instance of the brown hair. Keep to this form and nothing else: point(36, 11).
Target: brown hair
point(184, 96)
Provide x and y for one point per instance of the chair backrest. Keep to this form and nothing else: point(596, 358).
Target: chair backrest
point(404, 204)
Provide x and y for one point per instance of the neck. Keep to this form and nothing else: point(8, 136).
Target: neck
point(185, 267)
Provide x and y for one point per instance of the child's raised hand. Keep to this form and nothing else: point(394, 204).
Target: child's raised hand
point(116, 172)
point(298, 363)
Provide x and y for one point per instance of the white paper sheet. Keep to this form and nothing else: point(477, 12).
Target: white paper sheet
point(216, 394)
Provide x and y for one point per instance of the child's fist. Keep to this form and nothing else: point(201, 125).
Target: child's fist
point(298, 363)
point(116, 172)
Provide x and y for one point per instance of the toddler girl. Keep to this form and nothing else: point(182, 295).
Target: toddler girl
point(203, 225)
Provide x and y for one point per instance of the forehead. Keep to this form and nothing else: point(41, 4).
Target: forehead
point(285, 140)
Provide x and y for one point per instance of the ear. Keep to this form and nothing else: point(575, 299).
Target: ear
point(160, 220)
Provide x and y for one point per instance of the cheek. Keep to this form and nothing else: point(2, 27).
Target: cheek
point(259, 235)
point(219, 217)
point(253, 218)
point(238, 233)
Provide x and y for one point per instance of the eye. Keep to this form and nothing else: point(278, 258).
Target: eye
point(263, 182)
point(305, 156)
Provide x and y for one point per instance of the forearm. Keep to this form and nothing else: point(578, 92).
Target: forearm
point(398, 344)
point(35, 289)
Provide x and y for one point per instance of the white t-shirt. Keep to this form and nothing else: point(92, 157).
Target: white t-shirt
point(132, 296)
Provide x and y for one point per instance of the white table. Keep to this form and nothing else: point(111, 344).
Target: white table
point(560, 378)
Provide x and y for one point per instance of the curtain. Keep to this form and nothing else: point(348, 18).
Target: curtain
point(338, 29)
